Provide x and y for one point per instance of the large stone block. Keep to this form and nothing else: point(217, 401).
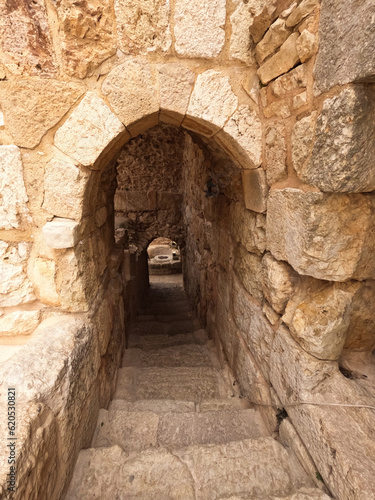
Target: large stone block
point(247, 228)
point(301, 11)
point(240, 47)
point(143, 26)
point(132, 91)
point(255, 189)
point(325, 236)
point(87, 34)
point(14, 212)
point(248, 268)
point(90, 132)
point(279, 281)
point(303, 141)
point(15, 287)
point(211, 104)
point(31, 107)
point(344, 148)
point(340, 60)
point(281, 62)
point(199, 27)
point(61, 233)
point(42, 273)
point(294, 80)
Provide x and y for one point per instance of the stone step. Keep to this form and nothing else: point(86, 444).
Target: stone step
point(164, 328)
point(244, 469)
point(139, 430)
point(166, 295)
point(161, 341)
point(166, 308)
point(166, 318)
point(182, 383)
point(180, 355)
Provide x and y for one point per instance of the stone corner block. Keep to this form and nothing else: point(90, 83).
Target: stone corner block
point(255, 189)
point(61, 233)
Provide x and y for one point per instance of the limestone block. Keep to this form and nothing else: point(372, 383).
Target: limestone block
point(281, 62)
point(61, 233)
point(294, 80)
point(278, 283)
point(248, 268)
point(87, 34)
point(255, 189)
point(176, 86)
point(19, 322)
point(199, 27)
point(318, 318)
point(211, 104)
point(344, 143)
point(263, 14)
point(70, 283)
point(360, 335)
point(240, 48)
point(25, 39)
point(273, 39)
point(280, 109)
point(64, 188)
point(275, 153)
point(133, 93)
point(270, 314)
point(15, 287)
point(304, 9)
point(143, 26)
point(90, 131)
point(306, 45)
point(324, 236)
point(241, 137)
point(33, 106)
point(300, 100)
point(14, 212)
point(42, 275)
point(303, 141)
point(247, 228)
point(339, 60)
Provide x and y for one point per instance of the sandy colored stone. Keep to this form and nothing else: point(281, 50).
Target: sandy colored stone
point(281, 62)
point(241, 137)
point(176, 85)
point(255, 189)
point(14, 211)
point(360, 334)
point(42, 274)
point(275, 153)
point(61, 233)
point(133, 93)
point(306, 45)
point(33, 106)
point(280, 109)
point(199, 27)
point(301, 11)
point(143, 26)
point(246, 229)
point(279, 282)
point(211, 104)
point(15, 287)
point(324, 236)
point(340, 60)
point(240, 48)
point(25, 39)
point(19, 322)
point(248, 269)
point(273, 39)
point(263, 15)
point(294, 80)
point(87, 34)
point(319, 318)
point(344, 143)
point(64, 188)
point(90, 131)
point(300, 100)
point(303, 141)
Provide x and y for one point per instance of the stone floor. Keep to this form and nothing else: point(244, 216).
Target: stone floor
point(175, 429)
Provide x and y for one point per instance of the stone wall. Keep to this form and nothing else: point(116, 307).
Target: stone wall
point(277, 186)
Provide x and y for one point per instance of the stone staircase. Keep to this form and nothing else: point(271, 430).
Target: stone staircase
point(175, 429)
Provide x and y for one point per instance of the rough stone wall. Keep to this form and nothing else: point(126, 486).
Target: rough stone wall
point(292, 107)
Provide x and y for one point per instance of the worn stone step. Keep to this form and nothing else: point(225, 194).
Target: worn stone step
point(244, 469)
point(161, 341)
point(166, 318)
point(182, 383)
point(180, 355)
point(180, 406)
point(166, 328)
point(166, 308)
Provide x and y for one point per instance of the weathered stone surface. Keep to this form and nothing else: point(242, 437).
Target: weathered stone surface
point(340, 60)
point(318, 318)
point(324, 236)
point(42, 274)
point(14, 212)
point(278, 283)
point(360, 335)
point(199, 27)
point(87, 32)
point(15, 287)
point(19, 322)
point(273, 39)
point(61, 233)
point(302, 494)
point(25, 39)
point(281, 62)
point(247, 228)
point(294, 80)
point(64, 188)
point(303, 141)
point(241, 137)
point(275, 153)
point(306, 45)
point(90, 131)
point(304, 9)
point(176, 85)
point(248, 268)
point(300, 100)
point(33, 106)
point(263, 15)
point(133, 93)
point(143, 26)
point(240, 47)
point(211, 104)
point(255, 189)
point(344, 143)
